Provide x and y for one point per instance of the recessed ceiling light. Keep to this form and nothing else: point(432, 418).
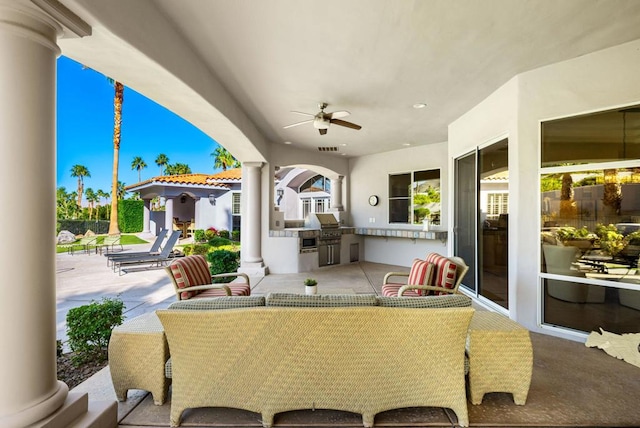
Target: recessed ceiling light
point(419, 105)
point(287, 142)
point(406, 144)
point(344, 144)
point(344, 154)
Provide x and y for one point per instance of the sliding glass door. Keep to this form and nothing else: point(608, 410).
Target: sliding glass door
point(493, 228)
point(481, 215)
point(465, 217)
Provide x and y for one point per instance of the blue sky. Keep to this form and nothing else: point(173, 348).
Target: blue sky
point(85, 132)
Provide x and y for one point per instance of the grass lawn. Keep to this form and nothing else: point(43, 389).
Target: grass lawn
point(125, 239)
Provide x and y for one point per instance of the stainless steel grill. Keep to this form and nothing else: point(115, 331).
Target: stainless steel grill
point(329, 239)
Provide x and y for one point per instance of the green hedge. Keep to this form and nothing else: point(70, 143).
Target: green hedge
point(80, 227)
point(130, 215)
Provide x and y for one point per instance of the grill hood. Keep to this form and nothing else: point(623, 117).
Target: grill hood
point(322, 221)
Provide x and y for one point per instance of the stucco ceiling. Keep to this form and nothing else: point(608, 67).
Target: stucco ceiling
point(377, 58)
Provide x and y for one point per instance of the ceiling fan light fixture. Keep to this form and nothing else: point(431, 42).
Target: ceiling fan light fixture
point(322, 120)
point(321, 123)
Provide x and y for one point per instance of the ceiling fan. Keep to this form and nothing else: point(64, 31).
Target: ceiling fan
point(322, 120)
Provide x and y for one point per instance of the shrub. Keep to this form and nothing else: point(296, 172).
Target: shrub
point(224, 234)
point(233, 247)
point(89, 328)
point(235, 235)
point(198, 235)
point(218, 241)
point(210, 233)
point(201, 249)
point(223, 261)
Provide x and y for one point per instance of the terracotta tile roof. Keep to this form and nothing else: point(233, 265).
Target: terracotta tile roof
point(234, 174)
point(212, 180)
point(498, 176)
point(186, 179)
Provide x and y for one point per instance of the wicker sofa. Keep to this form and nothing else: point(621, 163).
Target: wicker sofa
point(353, 353)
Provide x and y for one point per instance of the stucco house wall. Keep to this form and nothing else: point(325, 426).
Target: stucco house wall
point(369, 175)
point(599, 81)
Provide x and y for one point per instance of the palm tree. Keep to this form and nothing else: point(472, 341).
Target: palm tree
point(80, 171)
point(121, 193)
point(612, 198)
point(91, 197)
point(65, 203)
point(161, 161)
point(177, 169)
point(101, 194)
point(118, 99)
point(224, 159)
point(138, 163)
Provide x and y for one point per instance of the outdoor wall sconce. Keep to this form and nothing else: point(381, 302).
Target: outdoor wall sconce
point(183, 199)
point(212, 199)
point(280, 192)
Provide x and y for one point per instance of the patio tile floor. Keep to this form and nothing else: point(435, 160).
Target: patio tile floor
point(571, 386)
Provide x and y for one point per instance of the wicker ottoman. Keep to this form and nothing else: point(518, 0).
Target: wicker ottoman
point(500, 357)
point(138, 351)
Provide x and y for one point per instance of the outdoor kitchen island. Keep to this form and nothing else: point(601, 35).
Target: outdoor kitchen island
point(321, 242)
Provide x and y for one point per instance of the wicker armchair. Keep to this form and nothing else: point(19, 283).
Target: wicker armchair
point(427, 277)
point(191, 279)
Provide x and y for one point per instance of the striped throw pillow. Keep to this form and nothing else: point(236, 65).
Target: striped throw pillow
point(421, 274)
point(446, 271)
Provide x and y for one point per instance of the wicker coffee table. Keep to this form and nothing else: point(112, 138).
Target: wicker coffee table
point(500, 357)
point(138, 351)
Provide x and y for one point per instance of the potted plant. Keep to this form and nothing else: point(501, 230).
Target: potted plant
point(615, 242)
point(611, 240)
point(310, 286)
point(581, 238)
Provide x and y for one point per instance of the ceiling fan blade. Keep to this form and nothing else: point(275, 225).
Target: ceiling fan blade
point(338, 114)
point(322, 131)
point(345, 123)
point(303, 113)
point(298, 123)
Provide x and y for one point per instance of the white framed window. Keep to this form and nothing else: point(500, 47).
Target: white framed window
point(497, 203)
point(235, 203)
point(414, 196)
point(306, 207)
point(590, 221)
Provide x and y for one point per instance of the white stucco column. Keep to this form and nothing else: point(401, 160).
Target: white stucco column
point(146, 216)
point(336, 193)
point(28, 53)
point(168, 213)
point(251, 238)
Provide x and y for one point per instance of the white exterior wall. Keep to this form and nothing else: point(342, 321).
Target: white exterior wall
point(369, 175)
point(599, 81)
point(206, 213)
point(183, 210)
point(218, 215)
point(280, 254)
